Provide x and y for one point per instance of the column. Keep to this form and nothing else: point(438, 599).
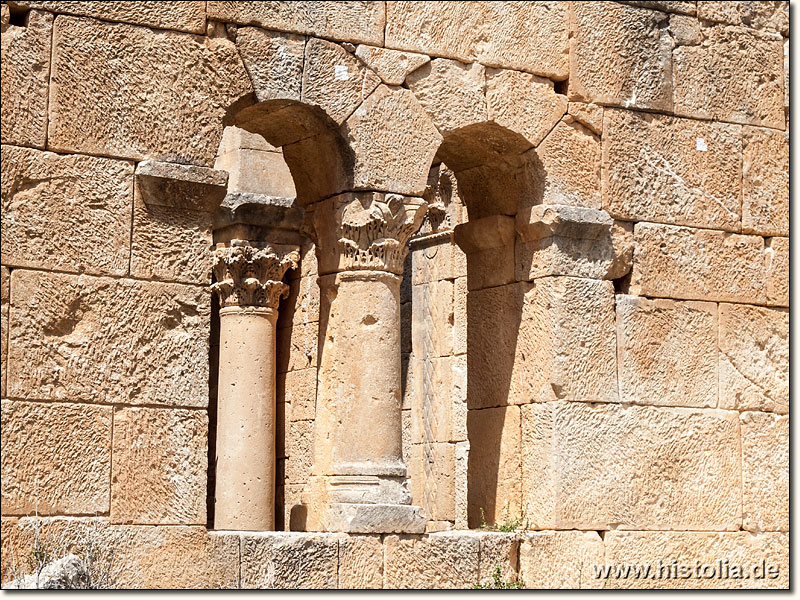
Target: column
point(358, 477)
point(249, 287)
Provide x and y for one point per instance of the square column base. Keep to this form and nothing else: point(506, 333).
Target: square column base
point(359, 518)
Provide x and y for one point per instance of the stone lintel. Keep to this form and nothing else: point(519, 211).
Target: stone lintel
point(185, 187)
point(553, 220)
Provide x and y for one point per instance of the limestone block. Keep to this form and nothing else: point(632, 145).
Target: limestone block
point(735, 75)
point(777, 284)
point(108, 340)
point(460, 316)
point(299, 447)
point(699, 559)
point(667, 352)
point(432, 321)
point(498, 550)
point(461, 485)
point(559, 559)
point(297, 347)
point(494, 465)
point(753, 358)
point(390, 65)
point(360, 562)
point(335, 80)
point(588, 115)
point(183, 16)
point(768, 16)
point(620, 55)
point(360, 22)
point(25, 76)
point(452, 92)
point(697, 264)
point(443, 398)
point(528, 36)
point(565, 344)
point(438, 496)
point(3, 345)
point(438, 560)
point(670, 170)
point(56, 458)
point(432, 261)
point(115, 91)
point(523, 103)
point(70, 213)
point(670, 6)
point(300, 390)
point(765, 182)
point(274, 62)
point(613, 466)
point(283, 560)
point(302, 303)
point(765, 471)
point(5, 285)
point(176, 185)
point(159, 468)
point(570, 156)
point(488, 243)
point(394, 141)
point(685, 30)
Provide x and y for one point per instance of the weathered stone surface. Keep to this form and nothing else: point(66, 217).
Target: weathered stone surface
point(432, 321)
point(570, 156)
point(68, 573)
point(70, 213)
point(108, 340)
point(187, 187)
point(697, 264)
point(669, 170)
point(777, 284)
point(494, 465)
point(420, 562)
point(115, 91)
point(297, 347)
point(674, 558)
point(289, 560)
point(559, 559)
point(159, 468)
point(184, 16)
point(438, 498)
point(5, 280)
point(667, 352)
point(498, 550)
point(620, 55)
point(394, 141)
point(769, 16)
point(299, 449)
point(735, 75)
point(25, 75)
point(460, 316)
point(299, 388)
point(588, 115)
point(630, 467)
point(56, 458)
point(360, 22)
point(335, 80)
point(685, 30)
point(488, 243)
point(686, 8)
point(258, 173)
point(765, 471)
point(432, 262)
point(451, 92)
point(529, 36)
point(274, 62)
point(302, 303)
point(765, 182)
point(390, 65)
point(523, 103)
point(360, 562)
point(754, 358)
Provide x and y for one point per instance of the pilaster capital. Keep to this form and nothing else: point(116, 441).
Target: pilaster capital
point(250, 274)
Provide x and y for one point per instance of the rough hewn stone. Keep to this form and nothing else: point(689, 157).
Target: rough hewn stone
point(25, 76)
point(299, 388)
point(668, 170)
point(299, 450)
point(108, 340)
point(283, 560)
point(777, 284)
point(559, 559)
point(765, 471)
point(570, 156)
point(620, 55)
point(159, 468)
point(588, 115)
point(753, 358)
point(421, 562)
point(274, 62)
point(69, 213)
point(5, 285)
point(630, 467)
point(360, 562)
point(432, 262)
point(686, 8)
point(769, 16)
point(56, 458)
point(390, 65)
point(114, 91)
point(297, 347)
point(667, 352)
point(498, 550)
point(432, 321)
point(734, 75)
point(765, 182)
point(697, 264)
point(360, 22)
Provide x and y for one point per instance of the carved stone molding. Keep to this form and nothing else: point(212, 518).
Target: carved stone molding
point(251, 274)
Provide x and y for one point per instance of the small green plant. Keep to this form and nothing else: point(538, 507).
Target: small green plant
point(499, 584)
point(509, 523)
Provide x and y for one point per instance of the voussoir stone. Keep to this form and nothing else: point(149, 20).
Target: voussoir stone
point(612, 466)
point(115, 91)
point(620, 55)
point(274, 62)
point(765, 182)
point(68, 213)
point(392, 66)
point(25, 77)
point(56, 459)
point(765, 471)
point(668, 170)
point(559, 559)
point(289, 560)
point(160, 464)
point(108, 340)
point(420, 562)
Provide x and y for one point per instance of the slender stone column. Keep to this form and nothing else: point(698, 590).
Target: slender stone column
point(357, 481)
point(249, 287)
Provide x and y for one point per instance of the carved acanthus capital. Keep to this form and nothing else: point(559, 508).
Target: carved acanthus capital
point(250, 274)
point(364, 230)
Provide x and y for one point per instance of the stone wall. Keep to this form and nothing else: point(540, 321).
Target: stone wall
point(594, 311)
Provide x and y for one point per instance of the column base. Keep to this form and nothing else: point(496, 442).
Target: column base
point(359, 518)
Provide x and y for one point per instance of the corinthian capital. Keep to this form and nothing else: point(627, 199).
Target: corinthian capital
point(364, 230)
point(250, 274)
